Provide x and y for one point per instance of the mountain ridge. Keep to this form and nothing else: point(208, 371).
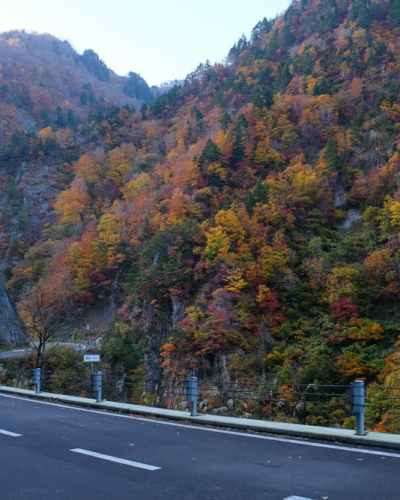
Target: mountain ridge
point(41, 73)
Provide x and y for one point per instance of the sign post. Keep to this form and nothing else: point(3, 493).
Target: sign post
point(96, 377)
point(96, 384)
point(357, 396)
point(191, 390)
point(91, 358)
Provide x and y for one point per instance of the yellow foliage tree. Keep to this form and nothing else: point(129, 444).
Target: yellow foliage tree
point(109, 235)
point(47, 134)
point(118, 165)
point(265, 155)
point(84, 259)
point(136, 186)
point(72, 204)
point(226, 241)
point(88, 170)
point(181, 207)
point(235, 281)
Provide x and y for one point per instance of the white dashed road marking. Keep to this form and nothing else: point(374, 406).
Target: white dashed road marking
point(8, 433)
point(194, 427)
point(115, 459)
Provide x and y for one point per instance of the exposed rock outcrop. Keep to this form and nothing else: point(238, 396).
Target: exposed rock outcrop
point(352, 216)
point(11, 328)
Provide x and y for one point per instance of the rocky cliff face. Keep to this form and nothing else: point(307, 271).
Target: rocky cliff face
point(26, 199)
point(11, 330)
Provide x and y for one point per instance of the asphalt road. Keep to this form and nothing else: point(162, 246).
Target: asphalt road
point(53, 456)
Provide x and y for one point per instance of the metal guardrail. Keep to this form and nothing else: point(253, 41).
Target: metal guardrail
point(76, 346)
point(14, 354)
point(305, 403)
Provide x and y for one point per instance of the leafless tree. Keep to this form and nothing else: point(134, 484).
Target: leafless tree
point(45, 314)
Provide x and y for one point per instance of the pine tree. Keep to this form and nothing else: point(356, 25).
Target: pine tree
point(322, 87)
point(61, 118)
point(393, 92)
point(210, 154)
point(284, 78)
point(225, 121)
point(288, 37)
point(137, 87)
point(219, 100)
point(249, 202)
point(268, 97)
point(146, 229)
point(197, 113)
point(273, 45)
point(260, 192)
point(238, 143)
point(95, 65)
point(257, 195)
point(241, 123)
point(356, 125)
point(238, 150)
point(332, 156)
point(258, 99)
point(143, 109)
point(45, 118)
point(395, 12)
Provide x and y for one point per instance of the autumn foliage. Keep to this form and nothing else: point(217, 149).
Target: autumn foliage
point(247, 223)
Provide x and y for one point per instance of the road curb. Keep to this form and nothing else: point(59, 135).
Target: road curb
point(374, 439)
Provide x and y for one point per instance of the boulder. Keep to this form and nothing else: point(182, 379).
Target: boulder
point(219, 411)
point(183, 405)
point(203, 403)
point(230, 404)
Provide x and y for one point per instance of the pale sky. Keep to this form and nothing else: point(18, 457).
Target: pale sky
point(160, 39)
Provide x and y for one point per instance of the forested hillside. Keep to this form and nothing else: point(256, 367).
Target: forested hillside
point(44, 82)
point(246, 223)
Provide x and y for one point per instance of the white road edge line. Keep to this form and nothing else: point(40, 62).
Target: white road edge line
point(115, 459)
point(294, 497)
point(109, 413)
point(8, 433)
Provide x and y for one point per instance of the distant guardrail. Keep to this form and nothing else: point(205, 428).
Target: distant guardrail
point(14, 354)
point(17, 353)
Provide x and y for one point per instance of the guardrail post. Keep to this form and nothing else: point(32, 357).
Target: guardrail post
point(96, 385)
point(357, 397)
point(191, 386)
point(36, 379)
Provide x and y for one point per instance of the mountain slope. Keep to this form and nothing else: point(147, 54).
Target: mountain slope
point(247, 222)
point(44, 80)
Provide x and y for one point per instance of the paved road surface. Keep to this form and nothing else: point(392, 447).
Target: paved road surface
point(53, 452)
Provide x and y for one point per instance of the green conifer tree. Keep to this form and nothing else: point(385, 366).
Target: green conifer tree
point(332, 156)
point(225, 121)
